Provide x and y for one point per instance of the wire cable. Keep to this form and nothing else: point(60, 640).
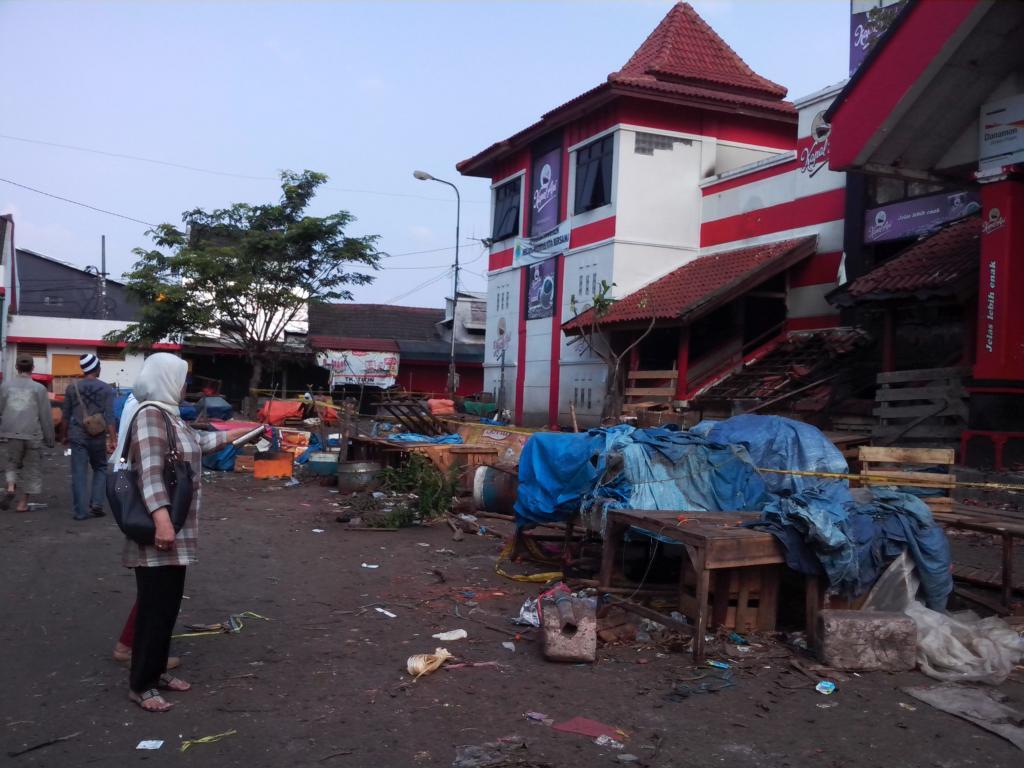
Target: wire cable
point(76, 202)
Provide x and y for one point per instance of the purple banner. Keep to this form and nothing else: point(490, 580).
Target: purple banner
point(540, 295)
point(544, 195)
point(911, 218)
point(869, 25)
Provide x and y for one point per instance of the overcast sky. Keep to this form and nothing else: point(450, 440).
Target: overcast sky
point(364, 92)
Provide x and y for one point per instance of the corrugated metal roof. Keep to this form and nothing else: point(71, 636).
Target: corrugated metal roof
point(703, 284)
point(374, 321)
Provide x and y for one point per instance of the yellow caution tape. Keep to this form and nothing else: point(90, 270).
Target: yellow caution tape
point(206, 739)
point(236, 616)
point(533, 578)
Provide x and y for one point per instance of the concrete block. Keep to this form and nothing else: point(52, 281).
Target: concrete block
point(866, 640)
point(570, 629)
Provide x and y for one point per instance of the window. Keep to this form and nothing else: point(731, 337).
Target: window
point(594, 174)
point(506, 210)
point(111, 353)
point(646, 143)
point(36, 350)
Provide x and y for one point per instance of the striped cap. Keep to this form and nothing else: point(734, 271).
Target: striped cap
point(89, 363)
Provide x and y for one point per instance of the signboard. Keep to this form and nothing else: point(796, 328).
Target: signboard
point(530, 250)
point(868, 20)
point(544, 192)
point(1001, 134)
point(371, 369)
point(540, 295)
point(911, 218)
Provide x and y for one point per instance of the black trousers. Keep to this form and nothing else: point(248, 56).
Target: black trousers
point(159, 598)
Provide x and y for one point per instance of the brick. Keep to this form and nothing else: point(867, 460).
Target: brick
point(866, 640)
point(577, 643)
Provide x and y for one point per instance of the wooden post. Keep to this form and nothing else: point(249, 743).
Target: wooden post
point(888, 342)
point(682, 361)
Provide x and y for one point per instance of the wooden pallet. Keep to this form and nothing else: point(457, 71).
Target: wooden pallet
point(923, 407)
point(412, 415)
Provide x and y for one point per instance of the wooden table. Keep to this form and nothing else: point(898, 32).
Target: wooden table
point(714, 542)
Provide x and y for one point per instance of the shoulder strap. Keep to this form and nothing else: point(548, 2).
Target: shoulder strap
point(81, 402)
point(172, 449)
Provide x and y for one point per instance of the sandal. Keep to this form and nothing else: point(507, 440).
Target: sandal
point(159, 703)
point(171, 683)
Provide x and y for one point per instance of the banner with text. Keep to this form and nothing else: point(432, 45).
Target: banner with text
point(530, 250)
point(371, 369)
point(911, 218)
point(544, 197)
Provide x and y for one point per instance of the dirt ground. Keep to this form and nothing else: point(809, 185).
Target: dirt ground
point(322, 681)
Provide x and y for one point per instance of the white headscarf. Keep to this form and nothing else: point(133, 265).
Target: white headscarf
point(159, 383)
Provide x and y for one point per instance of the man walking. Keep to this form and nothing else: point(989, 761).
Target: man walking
point(26, 424)
point(89, 414)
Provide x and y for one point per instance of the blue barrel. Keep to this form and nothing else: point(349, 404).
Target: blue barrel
point(495, 490)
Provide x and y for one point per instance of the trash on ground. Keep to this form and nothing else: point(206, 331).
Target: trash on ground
point(528, 615)
point(318, 530)
point(150, 744)
point(570, 625)
point(608, 741)
point(503, 752)
point(826, 687)
point(206, 739)
point(584, 726)
point(447, 637)
point(718, 664)
point(425, 663)
point(386, 612)
point(234, 624)
point(976, 705)
point(539, 717)
point(371, 565)
point(508, 645)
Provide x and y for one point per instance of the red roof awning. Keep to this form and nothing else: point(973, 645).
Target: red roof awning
point(702, 285)
point(938, 265)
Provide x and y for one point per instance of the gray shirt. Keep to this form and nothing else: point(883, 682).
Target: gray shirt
point(97, 397)
point(25, 411)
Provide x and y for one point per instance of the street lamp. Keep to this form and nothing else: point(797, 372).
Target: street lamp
point(424, 176)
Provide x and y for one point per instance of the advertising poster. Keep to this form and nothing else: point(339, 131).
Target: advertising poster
point(544, 195)
point(540, 294)
point(911, 218)
point(372, 369)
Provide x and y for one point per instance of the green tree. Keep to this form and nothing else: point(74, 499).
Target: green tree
point(247, 272)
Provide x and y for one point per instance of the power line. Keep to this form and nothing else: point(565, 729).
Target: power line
point(76, 202)
point(213, 172)
point(420, 287)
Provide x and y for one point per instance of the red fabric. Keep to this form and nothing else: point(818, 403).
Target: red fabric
point(128, 633)
point(586, 727)
point(277, 411)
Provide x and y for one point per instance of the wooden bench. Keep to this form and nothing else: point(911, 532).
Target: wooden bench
point(887, 466)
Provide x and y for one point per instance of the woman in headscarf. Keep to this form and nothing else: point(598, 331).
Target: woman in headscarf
point(160, 567)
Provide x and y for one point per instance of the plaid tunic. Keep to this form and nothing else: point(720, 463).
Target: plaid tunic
point(148, 453)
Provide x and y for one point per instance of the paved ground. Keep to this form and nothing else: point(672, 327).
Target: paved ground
point(322, 682)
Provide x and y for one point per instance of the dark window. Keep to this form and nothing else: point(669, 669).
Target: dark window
point(594, 174)
point(506, 210)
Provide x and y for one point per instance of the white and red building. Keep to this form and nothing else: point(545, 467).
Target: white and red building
point(686, 182)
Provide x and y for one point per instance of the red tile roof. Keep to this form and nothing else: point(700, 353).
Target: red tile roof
point(937, 265)
point(702, 285)
point(683, 59)
point(684, 49)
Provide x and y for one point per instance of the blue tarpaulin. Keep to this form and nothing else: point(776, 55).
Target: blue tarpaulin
point(221, 461)
point(714, 467)
point(410, 437)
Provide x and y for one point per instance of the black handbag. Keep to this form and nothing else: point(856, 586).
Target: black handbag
point(125, 495)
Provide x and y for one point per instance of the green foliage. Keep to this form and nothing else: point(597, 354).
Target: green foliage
point(434, 489)
point(247, 271)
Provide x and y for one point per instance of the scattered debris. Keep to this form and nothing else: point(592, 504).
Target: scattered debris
point(976, 705)
point(386, 612)
point(528, 614)
point(424, 663)
point(539, 717)
point(447, 637)
point(586, 727)
point(504, 753)
point(826, 687)
point(150, 744)
point(607, 741)
point(508, 645)
point(371, 565)
point(42, 744)
point(318, 530)
point(207, 739)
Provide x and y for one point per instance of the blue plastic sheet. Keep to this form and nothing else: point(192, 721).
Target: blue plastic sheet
point(714, 468)
point(221, 461)
point(411, 437)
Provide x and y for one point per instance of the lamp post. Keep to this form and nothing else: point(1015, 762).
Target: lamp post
point(424, 176)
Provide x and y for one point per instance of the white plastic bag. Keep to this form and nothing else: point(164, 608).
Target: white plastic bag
point(958, 647)
point(424, 663)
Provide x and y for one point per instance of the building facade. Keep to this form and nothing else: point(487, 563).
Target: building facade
point(664, 162)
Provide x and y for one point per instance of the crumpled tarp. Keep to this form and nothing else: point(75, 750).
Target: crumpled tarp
point(714, 468)
point(412, 437)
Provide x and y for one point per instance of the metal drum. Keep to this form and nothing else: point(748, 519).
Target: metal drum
point(494, 490)
point(359, 476)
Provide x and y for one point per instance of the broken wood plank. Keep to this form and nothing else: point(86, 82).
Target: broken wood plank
point(650, 391)
point(653, 375)
point(901, 455)
point(924, 374)
point(919, 393)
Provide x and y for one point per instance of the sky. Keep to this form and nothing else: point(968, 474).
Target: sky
point(366, 92)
